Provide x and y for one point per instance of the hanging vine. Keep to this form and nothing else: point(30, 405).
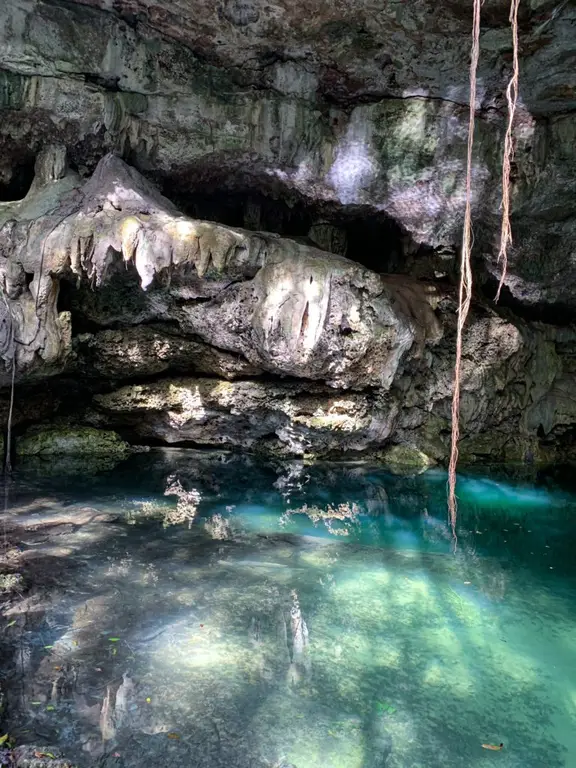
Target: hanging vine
point(512, 101)
point(465, 290)
point(8, 354)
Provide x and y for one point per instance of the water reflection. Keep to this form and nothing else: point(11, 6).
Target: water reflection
point(214, 610)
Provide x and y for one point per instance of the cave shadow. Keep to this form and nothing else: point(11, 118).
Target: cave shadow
point(17, 186)
point(373, 238)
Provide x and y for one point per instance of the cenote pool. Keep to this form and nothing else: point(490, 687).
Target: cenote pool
point(207, 610)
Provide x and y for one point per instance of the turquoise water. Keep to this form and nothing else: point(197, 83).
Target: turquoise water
point(193, 609)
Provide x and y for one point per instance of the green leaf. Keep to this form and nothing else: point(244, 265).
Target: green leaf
point(36, 703)
point(50, 708)
point(11, 623)
point(114, 639)
point(50, 755)
point(3, 738)
point(47, 647)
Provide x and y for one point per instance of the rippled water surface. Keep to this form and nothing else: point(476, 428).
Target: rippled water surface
point(193, 609)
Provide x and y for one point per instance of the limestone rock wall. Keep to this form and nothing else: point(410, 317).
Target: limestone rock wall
point(182, 331)
point(124, 313)
point(351, 106)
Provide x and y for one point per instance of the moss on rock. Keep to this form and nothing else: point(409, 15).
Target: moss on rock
point(406, 457)
point(72, 441)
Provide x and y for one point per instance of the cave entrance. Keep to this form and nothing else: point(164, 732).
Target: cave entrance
point(371, 239)
point(15, 182)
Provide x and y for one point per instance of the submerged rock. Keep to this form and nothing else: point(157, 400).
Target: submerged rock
point(9, 582)
point(39, 757)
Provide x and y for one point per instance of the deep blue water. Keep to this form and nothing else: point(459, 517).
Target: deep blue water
point(207, 610)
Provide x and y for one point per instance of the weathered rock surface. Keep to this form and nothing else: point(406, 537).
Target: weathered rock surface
point(342, 103)
point(281, 419)
point(39, 757)
point(286, 308)
point(512, 407)
point(262, 343)
point(148, 350)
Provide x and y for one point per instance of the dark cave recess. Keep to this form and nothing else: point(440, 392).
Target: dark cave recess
point(17, 185)
point(369, 238)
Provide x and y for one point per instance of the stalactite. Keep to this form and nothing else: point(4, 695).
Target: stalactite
point(512, 100)
point(465, 292)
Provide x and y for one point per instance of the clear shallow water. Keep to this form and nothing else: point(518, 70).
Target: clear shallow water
point(202, 610)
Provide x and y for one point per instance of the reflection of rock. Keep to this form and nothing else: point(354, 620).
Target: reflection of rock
point(220, 477)
point(337, 519)
point(219, 528)
point(186, 506)
point(120, 710)
point(58, 466)
point(292, 479)
point(124, 697)
point(300, 662)
point(106, 722)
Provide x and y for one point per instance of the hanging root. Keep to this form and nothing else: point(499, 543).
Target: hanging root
point(512, 99)
point(465, 293)
point(8, 354)
point(8, 461)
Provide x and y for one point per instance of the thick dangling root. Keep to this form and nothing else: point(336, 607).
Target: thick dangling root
point(465, 293)
point(512, 100)
point(8, 461)
point(8, 355)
